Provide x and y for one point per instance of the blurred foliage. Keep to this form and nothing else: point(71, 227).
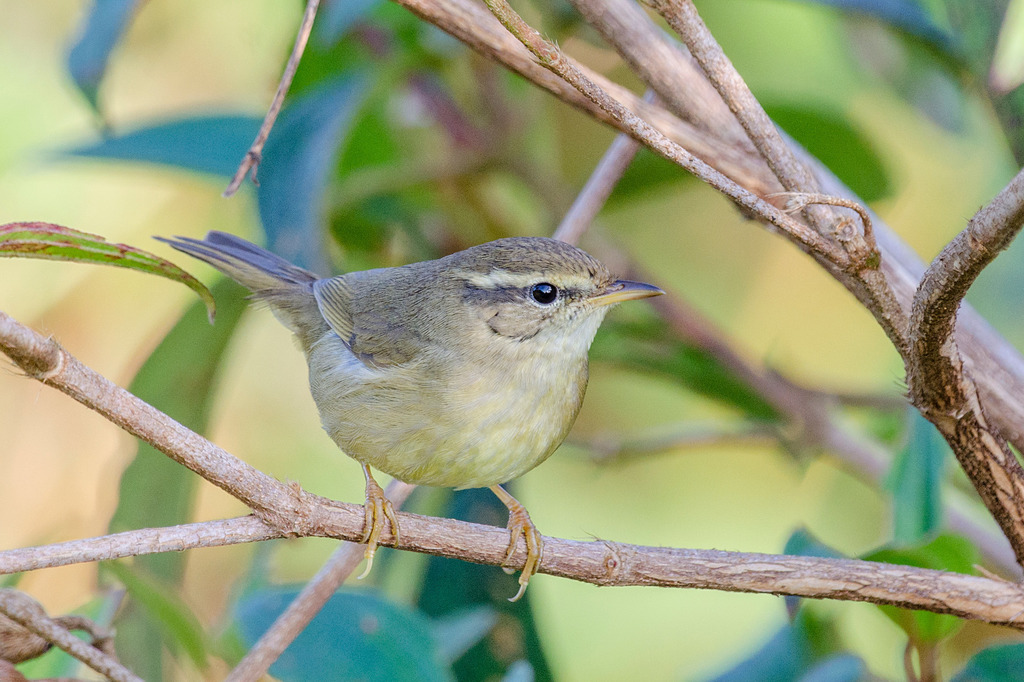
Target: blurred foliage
point(397, 144)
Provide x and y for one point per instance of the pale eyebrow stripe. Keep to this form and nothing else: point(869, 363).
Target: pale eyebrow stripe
point(502, 279)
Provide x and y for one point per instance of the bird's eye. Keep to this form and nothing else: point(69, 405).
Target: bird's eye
point(544, 293)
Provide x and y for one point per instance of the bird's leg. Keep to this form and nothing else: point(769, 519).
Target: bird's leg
point(376, 508)
point(519, 523)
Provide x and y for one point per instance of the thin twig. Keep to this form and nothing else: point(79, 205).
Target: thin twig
point(25, 611)
point(551, 58)
point(250, 163)
point(800, 200)
point(599, 185)
point(659, 61)
point(682, 16)
point(294, 619)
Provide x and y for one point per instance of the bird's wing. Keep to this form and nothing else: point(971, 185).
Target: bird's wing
point(375, 338)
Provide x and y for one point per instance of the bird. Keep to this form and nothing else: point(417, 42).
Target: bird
point(464, 372)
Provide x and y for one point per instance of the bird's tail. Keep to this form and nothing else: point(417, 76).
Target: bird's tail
point(287, 288)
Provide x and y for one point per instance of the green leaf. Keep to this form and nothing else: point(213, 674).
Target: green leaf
point(357, 635)
point(297, 164)
point(451, 587)
point(204, 144)
point(178, 378)
point(104, 24)
point(335, 19)
point(794, 650)
point(995, 664)
point(55, 242)
point(179, 625)
point(456, 633)
point(915, 481)
point(833, 139)
point(802, 543)
point(944, 553)
point(906, 16)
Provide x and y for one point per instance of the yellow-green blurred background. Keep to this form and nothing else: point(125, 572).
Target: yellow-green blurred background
point(60, 464)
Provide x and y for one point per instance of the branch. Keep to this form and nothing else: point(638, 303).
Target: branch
point(254, 155)
point(25, 611)
point(471, 23)
point(607, 564)
point(551, 58)
point(682, 16)
point(288, 511)
point(294, 619)
point(939, 386)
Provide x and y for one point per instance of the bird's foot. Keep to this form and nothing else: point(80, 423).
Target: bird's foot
point(520, 525)
point(376, 508)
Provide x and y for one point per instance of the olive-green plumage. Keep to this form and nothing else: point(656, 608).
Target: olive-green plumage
point(466, 371)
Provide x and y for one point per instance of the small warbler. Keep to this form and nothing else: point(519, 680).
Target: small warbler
point(464, 372)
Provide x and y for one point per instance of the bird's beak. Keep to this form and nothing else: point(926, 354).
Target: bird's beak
point(625, 290)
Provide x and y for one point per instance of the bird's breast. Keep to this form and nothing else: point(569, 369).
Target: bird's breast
point(458, 422)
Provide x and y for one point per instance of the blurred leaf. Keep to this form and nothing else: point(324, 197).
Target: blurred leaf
point(450, 587)
point(358, 635)
point(104, 24)
point(55, 663)
point(55, 242)
point(459, 631)
point(297, 163)
point(178, 378)
point(792, 652)
point(995, 664)
point(336, 17)
point(802, 543)
point(1007, 71)
point(838, 668)
point(915, 481)
point(944, 553)
point(204, 144)
point(904, 15)
point(844, 149)
point(646, 345)
point(180, 626)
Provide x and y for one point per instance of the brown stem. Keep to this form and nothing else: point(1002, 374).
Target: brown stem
point(252, 158)
point(939, 386)
point(25, 611)
point(551, 58)
point(294, 619)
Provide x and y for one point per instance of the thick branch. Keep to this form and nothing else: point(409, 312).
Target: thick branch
point(940, 387)
point(946, 282)
point(615, 564)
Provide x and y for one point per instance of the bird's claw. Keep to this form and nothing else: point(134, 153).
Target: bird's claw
point(520, 525)
point(376, 508)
